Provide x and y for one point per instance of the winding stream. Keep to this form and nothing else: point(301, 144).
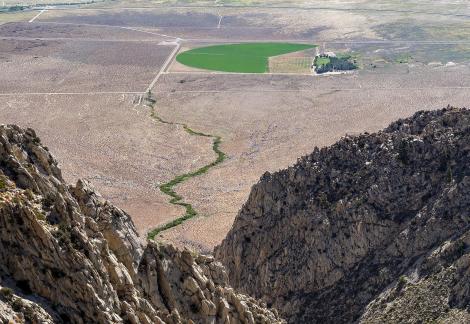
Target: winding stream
point(168, 187)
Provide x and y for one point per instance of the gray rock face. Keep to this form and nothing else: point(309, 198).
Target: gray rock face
point(327, 240)
point(67, 255)
point(185, 283)
point(15, 309)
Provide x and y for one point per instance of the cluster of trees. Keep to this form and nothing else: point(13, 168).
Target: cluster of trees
point(340, 63)
point(13, 8)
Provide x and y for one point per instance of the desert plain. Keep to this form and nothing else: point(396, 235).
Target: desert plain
point(79, 75)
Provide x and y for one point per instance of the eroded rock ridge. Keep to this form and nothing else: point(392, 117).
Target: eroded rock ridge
point(374, 229)
point(69, 256)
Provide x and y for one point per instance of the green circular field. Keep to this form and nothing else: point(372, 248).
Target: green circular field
point(244, 58)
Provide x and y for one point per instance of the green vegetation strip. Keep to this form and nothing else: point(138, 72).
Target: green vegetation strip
point(322, 61)
point(242, 58)
point(168, 187)
point(341, 62)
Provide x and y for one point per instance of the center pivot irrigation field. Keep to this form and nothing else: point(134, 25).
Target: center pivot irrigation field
point(243, 58)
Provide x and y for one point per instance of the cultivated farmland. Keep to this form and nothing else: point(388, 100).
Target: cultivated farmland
point(78, 75)
point(243, 58)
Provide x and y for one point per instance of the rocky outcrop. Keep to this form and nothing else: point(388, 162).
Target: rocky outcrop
point(187, 283)
point(15, 309)
point(67, 255)
point(435, 290)
point(373, 229)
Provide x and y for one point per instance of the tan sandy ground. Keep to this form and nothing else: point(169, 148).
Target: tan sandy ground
point(16, 16)
point(265, 121)
point(78, 66)
point(120, 149)
point(265, 130)
point(176, 66)
point(297, 62)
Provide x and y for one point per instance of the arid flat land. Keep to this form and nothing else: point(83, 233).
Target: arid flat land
point(78, 75)
point(251, 115)
point(78, 66)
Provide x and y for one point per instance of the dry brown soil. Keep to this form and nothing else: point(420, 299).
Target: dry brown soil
point(75, 76)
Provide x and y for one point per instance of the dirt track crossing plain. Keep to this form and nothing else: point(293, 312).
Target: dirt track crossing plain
point(78, 76)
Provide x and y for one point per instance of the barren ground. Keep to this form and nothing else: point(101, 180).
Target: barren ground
point(75, 75)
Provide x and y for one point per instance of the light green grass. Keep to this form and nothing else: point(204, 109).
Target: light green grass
point(322, 61)
point(243, 58)
point(403, 58)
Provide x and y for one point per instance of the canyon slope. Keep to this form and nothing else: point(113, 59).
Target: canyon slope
point(69, 256)
point(374, 229)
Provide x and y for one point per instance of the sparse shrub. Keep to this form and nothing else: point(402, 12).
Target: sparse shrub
point(3, 183)
point(403, 59)
point(460, 250)
point(150, 99)
point(450, 177)
point(29, 194)
point(16, 199)
point(48, 201)
point(402, 281)
point(323, 200)
point(39, 215)
point(62, 234)
point(443, 162)
point(6, 293)
point(403, 152)
point(75, 240)
point(17, 305)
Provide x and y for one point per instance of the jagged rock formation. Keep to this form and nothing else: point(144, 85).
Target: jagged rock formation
point(67, 255)
point(14, 309)
point(374, 229)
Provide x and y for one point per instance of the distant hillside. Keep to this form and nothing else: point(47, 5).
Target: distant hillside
point(374, 229)
point(69, 256)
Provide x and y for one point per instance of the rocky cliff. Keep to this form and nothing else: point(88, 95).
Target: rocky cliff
point(374, 229)
point(67, 255)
